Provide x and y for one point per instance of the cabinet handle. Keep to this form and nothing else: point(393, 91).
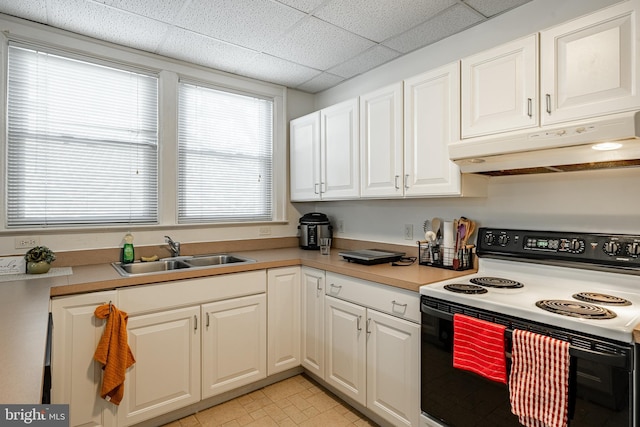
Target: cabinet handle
point(207, 320)
point(358, 323)
point(323, 188)
point(394, 302)
point(368, 324)
point(315, 188)
point(336, 286)
point(195, 322)
point(406, 181)
point(318, 287)
point(530, 107)
point(396, 182)
point(548, 97)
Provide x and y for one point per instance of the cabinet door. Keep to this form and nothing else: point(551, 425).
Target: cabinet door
point(346, 348)
point(499, 88)
point(589, 65)
point(234, 344)
point(432, 121)
point(312, 319)
point(393, 368)
point(166, 375)
point(283, 319)
point(76, 377)
point(381, 143)
point(339, 163)
point(305, 157)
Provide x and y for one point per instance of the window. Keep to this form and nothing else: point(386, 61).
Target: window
point(82, 145)
point(225, 161)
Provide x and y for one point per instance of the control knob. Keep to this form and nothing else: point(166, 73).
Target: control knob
point(633, 249)
point(489, 239)
point(503, 239)
point(611, 248)
point(576, 246)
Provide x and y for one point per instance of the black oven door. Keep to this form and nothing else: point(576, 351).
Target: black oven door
point(601, 392)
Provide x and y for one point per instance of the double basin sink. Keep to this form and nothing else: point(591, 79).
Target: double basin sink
point(179, 263)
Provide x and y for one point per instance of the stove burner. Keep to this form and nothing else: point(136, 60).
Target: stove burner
point(599, 298)
point(496, 282)
point(464, 288)
point(576, 309)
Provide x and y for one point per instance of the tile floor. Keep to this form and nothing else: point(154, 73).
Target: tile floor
point(297, 401)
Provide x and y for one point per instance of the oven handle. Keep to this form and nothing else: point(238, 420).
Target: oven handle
point(615, 360)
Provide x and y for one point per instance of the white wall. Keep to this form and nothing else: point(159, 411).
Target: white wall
point(598, 201)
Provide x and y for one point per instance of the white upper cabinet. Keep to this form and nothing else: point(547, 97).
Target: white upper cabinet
point(381, 144)
point(500, 88)
point(589, 65)
point(324, 154)
point(431, 122)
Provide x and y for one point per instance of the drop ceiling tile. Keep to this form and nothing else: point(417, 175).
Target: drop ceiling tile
point(453, 20)
point(34, 10)
point(318, 45)
point(202, 50)
point(254, 24)
point(165, 11)
point(321, 82)
point(493, 7)
point(106, 23)
point(379, 20)
point(371, 58)
point(277, 70)
point(304, 5)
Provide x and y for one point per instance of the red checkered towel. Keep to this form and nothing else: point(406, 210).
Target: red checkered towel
point(539, 381)
point(478, 346)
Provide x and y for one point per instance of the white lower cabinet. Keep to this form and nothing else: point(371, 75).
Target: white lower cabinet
point(312, 320)
point(166, 375)
point(372, 337)
point(283, 319)
point(76, 377)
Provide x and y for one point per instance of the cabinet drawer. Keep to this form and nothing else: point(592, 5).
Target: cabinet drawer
point(163, 296)
point(395, 301)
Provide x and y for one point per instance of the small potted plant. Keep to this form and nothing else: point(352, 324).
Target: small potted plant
point(39, 259)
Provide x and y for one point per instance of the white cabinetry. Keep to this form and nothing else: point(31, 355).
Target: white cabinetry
point(192, 339)
point(500, 88)
point(324, 154)
point(431, 123)
point(77, 378)
point(283, 319)
point(589, 65)
point(373, 346)
point(381, 145)
point(234, 344)
point(312, 320)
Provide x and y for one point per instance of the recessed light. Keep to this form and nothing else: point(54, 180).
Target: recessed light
point(606, 146)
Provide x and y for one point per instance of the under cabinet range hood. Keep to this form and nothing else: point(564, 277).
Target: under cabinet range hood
point(605, 142)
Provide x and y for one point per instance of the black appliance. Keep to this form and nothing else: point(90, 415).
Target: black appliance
point(518, 271)
point(312, 227)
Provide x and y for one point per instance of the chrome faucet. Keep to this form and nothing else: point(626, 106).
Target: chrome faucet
point(174, 247)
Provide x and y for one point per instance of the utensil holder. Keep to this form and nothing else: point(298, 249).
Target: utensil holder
point(442, 257)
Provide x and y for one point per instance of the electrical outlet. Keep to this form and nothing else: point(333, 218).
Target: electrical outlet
point(408, 231)
point(264, 231)
point(340, 226)
point(26, 242)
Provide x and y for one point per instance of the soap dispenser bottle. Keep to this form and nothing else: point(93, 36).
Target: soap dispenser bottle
point(128, 253)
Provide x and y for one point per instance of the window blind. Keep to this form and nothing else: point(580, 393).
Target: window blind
point(82, 142)
point(225, 161)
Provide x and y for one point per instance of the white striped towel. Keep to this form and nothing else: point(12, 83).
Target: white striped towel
point(539, 381)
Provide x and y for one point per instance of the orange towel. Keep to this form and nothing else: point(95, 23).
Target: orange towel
point(478, 346)
point(113, 352)
point(539, 381)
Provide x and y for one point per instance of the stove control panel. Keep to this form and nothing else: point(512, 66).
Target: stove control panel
point(592, 248)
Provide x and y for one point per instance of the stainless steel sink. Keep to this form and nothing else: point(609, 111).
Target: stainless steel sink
point(139, 267)
point(170, 264)
point(215, 259)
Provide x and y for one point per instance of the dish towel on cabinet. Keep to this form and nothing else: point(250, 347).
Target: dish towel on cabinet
point(113, 352)
point(478, 346)
point(539, 381)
